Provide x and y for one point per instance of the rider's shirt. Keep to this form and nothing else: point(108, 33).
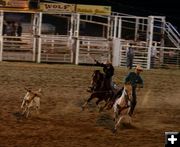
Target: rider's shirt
point(109, 70)
point(134, 79)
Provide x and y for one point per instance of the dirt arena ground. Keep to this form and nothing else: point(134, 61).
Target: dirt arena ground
point(61, 122)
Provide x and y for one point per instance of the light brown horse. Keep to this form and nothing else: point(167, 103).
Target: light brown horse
point(122, 105)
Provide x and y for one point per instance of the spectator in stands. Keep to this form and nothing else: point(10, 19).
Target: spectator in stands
point(9, 29)
point(13, 33)
point(129, 56)
point(153, 55)
point(4, 27)
point(19, 30)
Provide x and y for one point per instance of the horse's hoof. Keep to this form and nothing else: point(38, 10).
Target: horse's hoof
point(114, 130)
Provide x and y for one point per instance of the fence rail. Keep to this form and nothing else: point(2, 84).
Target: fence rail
point(93, 49)
point(18, 48)
point(56, 49)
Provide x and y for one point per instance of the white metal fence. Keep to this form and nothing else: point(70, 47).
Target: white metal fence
point(108, 44)
point(92, 48)
point(56, 49)
point(18, 48)
point(140, 55)
point(165, 57)
point(62, 49)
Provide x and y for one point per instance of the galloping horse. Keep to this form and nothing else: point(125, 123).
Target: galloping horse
point(122, 105)
point(99, 90)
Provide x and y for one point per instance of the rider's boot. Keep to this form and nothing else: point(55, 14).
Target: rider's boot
point(131, 110)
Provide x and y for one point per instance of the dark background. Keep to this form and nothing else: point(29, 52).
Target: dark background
point(170, 9)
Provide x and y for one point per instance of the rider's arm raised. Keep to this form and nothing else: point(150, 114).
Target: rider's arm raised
point(100, 64)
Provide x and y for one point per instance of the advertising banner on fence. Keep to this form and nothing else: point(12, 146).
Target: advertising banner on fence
point(93, 9)
point(14, 4)
point(57, 7)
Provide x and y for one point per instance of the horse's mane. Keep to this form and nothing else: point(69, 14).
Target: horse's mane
point(98, 72)
point(97, 79)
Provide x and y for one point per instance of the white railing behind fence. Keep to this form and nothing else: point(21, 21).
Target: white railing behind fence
point(56, 49)
point(173, 34)
point(18, 48)
point(140, 55)
point(90, 49)
point(167, 57)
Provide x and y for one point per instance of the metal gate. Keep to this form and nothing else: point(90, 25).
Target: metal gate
point(55, 48)
point(89, 49)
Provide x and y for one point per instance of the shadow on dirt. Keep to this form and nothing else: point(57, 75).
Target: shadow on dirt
point(106, 121)
point(18, 115)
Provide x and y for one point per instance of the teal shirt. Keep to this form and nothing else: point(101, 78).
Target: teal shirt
point(134, 79)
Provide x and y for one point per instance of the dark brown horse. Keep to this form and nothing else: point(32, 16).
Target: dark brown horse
point(99, 90)
point(96, 82)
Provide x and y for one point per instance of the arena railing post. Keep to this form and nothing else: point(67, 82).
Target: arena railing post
point(1, 33)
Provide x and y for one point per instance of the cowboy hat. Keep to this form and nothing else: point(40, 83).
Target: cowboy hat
point(138, 67)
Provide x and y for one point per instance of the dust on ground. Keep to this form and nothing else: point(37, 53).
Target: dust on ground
point(61, 122)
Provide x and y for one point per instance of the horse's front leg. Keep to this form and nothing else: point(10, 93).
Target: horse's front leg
point(129, 117)
point(97, 103)
point(88, 100)
point(102, 108)
point(116, 112)
point(115, 121)
point(23, 103)
point(84, 105)
point(116, 116)
point(24, 110)
point(117, 124)
point(27, 113)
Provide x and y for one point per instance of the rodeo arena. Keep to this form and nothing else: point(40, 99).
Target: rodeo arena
point(48, 54)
